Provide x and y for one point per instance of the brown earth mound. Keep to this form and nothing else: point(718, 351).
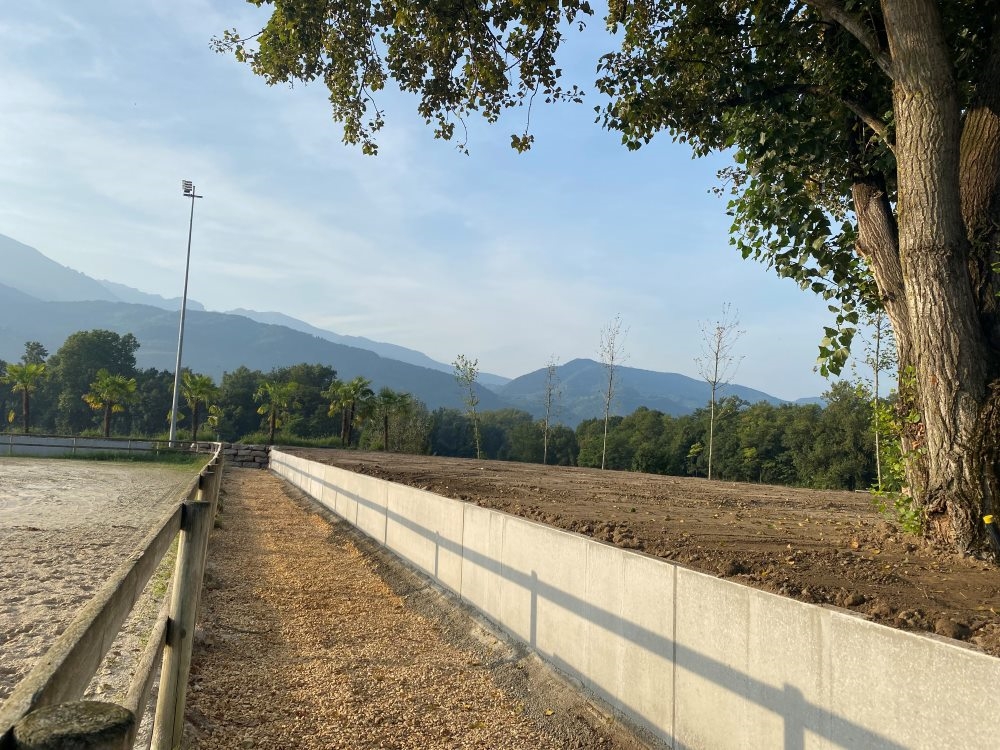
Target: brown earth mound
point(817, 546)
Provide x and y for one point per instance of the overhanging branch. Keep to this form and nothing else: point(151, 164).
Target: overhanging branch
point(833, 10)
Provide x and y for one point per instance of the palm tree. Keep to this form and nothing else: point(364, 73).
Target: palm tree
point(215, 417)
point(276, 401)
point(197, 390)
point(110, 393)
point(24, 379)
point(352, 399)
point(387, 403)
point(335, 395)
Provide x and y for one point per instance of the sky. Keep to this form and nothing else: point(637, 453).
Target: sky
point(511, 259)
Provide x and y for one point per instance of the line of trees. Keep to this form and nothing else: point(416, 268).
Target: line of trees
point(831, 447)
point(91, 385)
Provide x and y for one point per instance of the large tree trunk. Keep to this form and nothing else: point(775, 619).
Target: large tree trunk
point(948, 346)
point(979, 172)
point(26, 411)
point(878, 245)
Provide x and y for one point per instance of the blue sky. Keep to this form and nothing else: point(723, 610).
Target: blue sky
point(511, 259)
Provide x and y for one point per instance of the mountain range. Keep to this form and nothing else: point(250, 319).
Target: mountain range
point(41, 300)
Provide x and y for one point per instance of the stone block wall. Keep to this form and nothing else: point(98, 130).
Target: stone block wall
point(246, 456)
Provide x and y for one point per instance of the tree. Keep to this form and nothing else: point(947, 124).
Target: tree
point(880, 356)
point(34, 353)
point(110, 394)
point(236, 400)
point(549, 399)
point(466, 372)
point(24, 379)
point(385, 405)
point(408, 425)
point(835, 449)
point(867, 148)
point(312, 418)
point(352, 400)
point(214, 419)
point(562, 446)
point(276, 402)
point(611, 353)
point(451, 433)
point(198, 390)
point(498, 429)
point(717, 363)
point(150, 414)
point(75, 366)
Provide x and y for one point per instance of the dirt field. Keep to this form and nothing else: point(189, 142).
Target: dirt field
point(816, 546)
point(65, 526)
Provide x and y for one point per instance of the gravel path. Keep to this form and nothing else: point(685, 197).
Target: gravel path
point(312, 638)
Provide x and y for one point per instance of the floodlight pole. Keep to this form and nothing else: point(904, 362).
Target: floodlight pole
point(189, 192)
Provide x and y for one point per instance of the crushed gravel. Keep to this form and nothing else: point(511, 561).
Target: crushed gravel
point(312, 637)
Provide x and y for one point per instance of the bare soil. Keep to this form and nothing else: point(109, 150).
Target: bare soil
point(825, 547)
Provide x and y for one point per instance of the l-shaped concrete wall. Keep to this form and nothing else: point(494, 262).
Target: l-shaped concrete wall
point(700, 662)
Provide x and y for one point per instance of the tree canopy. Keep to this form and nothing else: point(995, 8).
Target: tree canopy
point(866, 137)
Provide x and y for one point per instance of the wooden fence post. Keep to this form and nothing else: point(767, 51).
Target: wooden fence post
point(81, 725)
point(168, 727)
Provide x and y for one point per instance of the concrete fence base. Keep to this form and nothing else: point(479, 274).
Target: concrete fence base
point(699, 661)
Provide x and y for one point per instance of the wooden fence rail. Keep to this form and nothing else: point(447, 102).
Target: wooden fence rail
point(45, 710)
point(30, 445)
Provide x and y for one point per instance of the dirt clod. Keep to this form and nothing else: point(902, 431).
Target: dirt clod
point(951, 629)
point(854, 599)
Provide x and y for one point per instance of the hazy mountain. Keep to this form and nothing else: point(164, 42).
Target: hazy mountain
point(44, 301)
point(817, 400)
point(392, 351)
point(31, 272)
point(215, 343)
point(128, 294)
point(26, 269)
point(583, 381)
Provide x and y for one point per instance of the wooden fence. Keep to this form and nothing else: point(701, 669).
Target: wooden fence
point(54, 446)
point(45, 709)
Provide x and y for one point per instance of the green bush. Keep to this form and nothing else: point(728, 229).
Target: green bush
point(284, 438)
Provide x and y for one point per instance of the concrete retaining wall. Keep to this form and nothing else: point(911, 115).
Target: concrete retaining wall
point(699, 661)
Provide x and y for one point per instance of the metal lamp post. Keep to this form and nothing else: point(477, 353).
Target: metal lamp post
point(189, 192)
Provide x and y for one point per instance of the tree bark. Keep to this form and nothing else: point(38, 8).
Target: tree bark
point(878, 245)
point(949, 348)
